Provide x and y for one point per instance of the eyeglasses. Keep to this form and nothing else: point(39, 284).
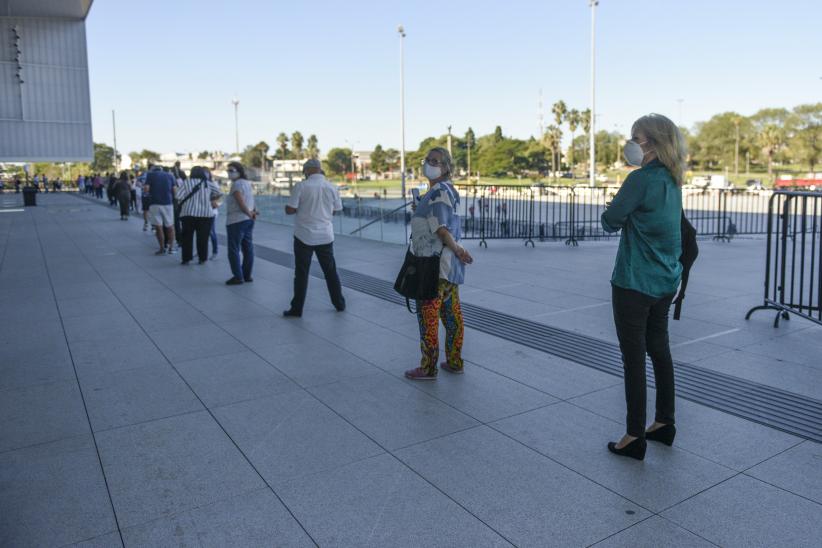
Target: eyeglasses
point(432, 162)
point(232, 170)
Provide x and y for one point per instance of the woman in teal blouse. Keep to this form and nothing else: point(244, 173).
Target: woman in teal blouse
point(647, 272)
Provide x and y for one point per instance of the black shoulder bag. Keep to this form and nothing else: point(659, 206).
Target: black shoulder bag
point(690, 250)
point(418, 278)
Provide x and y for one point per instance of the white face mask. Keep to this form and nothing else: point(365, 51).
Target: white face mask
point(633, 153)
point(431, 172)
point(233, 175)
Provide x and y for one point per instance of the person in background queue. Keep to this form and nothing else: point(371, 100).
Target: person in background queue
point(239, 225)
point(435, 229)
point(313, 201)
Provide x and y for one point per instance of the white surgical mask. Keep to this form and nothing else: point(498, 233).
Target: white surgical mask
point(431, 172)
point(233, 175)
point(633, 153)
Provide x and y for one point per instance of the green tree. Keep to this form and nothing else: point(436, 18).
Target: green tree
point(103, 158)
point(392, 159)
point(498, 156)
point(807, 141)
point(585, 122)
point(254, 156)
point(312, 151)
point(204, 155)
point(717, 140)
point(770, 139)
point(282, 145)
point(498, 134)
point(297, 144)
point(470, 141)
point(379, 160)
point(338, 161)
point(145, 157)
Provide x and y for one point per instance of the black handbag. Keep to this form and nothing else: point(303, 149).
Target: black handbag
point(418, 278)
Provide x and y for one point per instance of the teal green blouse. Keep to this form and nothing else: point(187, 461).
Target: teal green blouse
point(648, 209)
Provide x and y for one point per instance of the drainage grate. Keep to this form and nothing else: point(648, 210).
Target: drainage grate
point(759, 403)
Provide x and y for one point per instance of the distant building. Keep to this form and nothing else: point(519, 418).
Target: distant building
point(45, 110)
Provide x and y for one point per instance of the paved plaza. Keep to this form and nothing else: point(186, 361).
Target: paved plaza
point(143, 403)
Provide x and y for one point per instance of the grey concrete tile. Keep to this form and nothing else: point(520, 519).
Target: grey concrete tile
point(652, 533)
point(24, 365)
point(221, 380)
point(556, 376)
point(161, 317)
point(233, 309)
point(104, 303)
point(81, 289)
point(798, 470)
point(746, 512)
point(109, 540)
point(167, 466)
point(377, 502)
point(528, 498)
point(189, 343)
point(101, 327)
point(53, 494)
point(484, 395)
point(41, 413)
point(731, 441)
point(119, 398)
point(391, 412)
point(313, 362)
point(250, 519)
point(107, 356)
point(577, 438)
point(292, 434)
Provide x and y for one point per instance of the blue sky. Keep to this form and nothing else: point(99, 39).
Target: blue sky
point(171, 67)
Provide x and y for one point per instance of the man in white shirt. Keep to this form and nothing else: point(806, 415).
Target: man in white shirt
point(314, 201)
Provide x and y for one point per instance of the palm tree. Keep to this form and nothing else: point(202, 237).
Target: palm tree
point(551, 141)
point(560, 110)
point(771, 139)
point(297, 144)
point(282, 142)
point(574, 120)
point(313, 150)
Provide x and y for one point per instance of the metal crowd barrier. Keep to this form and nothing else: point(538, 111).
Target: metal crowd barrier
point(572, 214)
point(793, 284)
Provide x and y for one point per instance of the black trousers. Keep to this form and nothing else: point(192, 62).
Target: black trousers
point(302, 264)
point(642, 327)
point(201, 226)
point(123, 201)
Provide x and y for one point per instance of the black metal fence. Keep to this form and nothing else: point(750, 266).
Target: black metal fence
point(793, 284)
point(572, 213)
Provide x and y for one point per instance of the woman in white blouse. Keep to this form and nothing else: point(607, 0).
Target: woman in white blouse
point(196, 195)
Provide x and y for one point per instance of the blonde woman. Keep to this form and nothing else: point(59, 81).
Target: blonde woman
point(647, 272)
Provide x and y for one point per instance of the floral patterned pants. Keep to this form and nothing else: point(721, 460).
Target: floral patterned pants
point(446, 307)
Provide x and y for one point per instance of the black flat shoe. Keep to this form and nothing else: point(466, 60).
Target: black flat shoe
point(249, 280)
point(663, 434)
point(291, 314)
point(635, 449)
point(234, 281)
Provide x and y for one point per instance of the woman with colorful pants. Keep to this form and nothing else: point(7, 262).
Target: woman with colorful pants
point(435, 230)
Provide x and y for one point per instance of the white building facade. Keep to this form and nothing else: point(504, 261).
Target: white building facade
point(45, 111)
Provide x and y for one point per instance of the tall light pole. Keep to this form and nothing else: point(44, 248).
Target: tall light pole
point(591, 140)
point(236, 103)
point(401, 32)
point(449, 141)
